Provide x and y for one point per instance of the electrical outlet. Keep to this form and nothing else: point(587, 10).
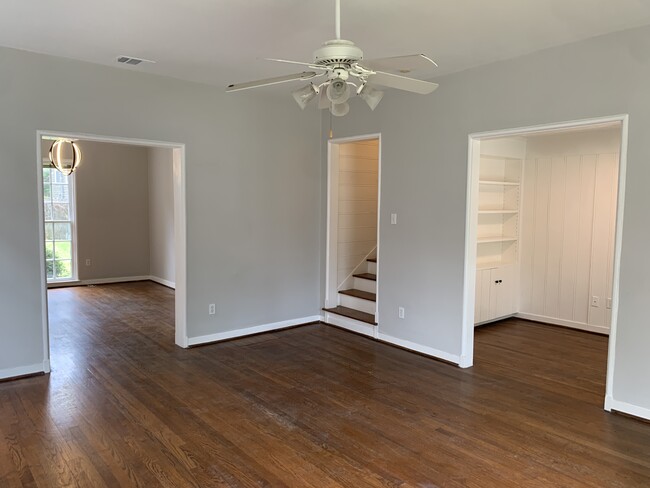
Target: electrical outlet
point(609, 304)
point(595, 301)
point(400, 312)
point(393, 219)
point(88, 262)
point(212, 309)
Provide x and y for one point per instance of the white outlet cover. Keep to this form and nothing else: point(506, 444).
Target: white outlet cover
point(393, 219)
point(400, 312)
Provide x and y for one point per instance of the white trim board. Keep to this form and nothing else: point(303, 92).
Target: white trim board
point(412, 346)
point(31, 369)
point(180, 227)
point(257, 329)
point(627, 408)
point(98, 281)
point(161, 281)
point(564, 323)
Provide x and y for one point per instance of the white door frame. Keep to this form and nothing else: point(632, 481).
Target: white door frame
point(180, 228)
point(471, 223)
point(331, 258)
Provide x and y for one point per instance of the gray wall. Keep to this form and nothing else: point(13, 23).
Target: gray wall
point(424, 172)
point(251, 152)
point(112, 211)
point(161, 214)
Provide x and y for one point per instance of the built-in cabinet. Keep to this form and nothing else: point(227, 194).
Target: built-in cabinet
point(497, 248)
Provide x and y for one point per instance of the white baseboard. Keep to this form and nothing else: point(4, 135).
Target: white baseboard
point(161, 281)
point(564, 323)
point(24, 370)
point(99, 281)
point(350, 324)
point(628, 408)
point(232, 334)
point(429, 351)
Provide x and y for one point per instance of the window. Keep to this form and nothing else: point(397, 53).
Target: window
point(59, 211)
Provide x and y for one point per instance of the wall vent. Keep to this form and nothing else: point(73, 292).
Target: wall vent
point(132, 61)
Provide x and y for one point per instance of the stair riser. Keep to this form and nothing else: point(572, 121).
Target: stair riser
point(365, 285)
point(357, 303)
point(372, 267)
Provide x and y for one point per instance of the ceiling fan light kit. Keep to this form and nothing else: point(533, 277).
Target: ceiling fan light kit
point(341, 63)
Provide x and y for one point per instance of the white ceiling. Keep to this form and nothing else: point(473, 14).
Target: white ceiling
point(220, 41)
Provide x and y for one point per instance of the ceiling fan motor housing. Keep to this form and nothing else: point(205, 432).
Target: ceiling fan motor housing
point(338, 52)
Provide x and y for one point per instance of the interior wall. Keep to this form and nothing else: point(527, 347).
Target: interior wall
point(424, 178)
point(162, 260)
point(569, 223)
point(358, 189)
point(259, 264)
point(111, 187)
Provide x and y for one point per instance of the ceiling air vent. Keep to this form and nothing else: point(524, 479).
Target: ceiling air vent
point(132, 61)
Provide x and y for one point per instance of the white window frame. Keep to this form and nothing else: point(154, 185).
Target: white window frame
point(73, 224)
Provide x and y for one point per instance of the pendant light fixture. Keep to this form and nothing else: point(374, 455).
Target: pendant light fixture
point(65, 156)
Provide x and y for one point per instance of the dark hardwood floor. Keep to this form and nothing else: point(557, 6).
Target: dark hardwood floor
point(307, 407)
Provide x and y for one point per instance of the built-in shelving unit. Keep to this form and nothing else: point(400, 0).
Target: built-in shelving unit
point(497, 242)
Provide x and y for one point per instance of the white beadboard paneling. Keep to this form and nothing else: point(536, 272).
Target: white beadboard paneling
point(357, 165)
point(526, 236)
point(567, 235)
point(555, 230)
point(601, 258)
point(570, 233)
point(357, 202)
point(540, 239)
point(355, 193)
point(583, 253)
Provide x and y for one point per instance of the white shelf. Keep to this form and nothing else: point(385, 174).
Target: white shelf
point(488, 239)
point(498, 211)
point(498, 183)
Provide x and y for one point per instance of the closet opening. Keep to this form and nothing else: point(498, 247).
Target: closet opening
point(544, 225)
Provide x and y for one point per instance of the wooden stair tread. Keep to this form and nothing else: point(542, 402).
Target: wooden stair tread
point(364, 295)
point(372, 260)
point(352, 314)
point(366, 276)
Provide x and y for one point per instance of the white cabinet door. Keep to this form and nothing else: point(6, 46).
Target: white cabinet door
point(496, 290)
point(484, 296)
point(505, 286)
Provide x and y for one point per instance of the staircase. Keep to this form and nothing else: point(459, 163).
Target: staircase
point(360, 301)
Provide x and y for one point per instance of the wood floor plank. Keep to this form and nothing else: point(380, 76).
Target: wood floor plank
point(308, 407)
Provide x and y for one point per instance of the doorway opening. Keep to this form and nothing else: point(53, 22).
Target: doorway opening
point(120, 217)
point(544, 226)
point(352, 256)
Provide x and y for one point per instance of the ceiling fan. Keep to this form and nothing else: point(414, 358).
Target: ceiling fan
point(346, 74)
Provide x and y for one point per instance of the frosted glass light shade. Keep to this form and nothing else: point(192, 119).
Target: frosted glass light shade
point(304, 95)
point(338, 92)
point(371, 96)
point(340, 109)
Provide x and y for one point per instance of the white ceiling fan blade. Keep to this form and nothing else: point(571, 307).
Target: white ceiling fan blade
point(300, 63)
point(402, 83)
point(401, 64)
point(305, 75)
